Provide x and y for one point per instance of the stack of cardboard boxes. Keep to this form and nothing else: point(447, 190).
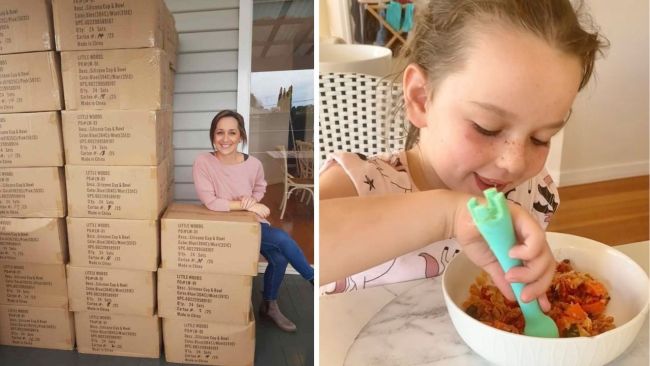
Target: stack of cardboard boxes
point(33, 249)
point(209, 260)
point(117, 60)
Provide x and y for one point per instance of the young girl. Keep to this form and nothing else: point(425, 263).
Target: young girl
point(488, 83)
point(226, 180)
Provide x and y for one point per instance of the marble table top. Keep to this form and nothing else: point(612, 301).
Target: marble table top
point(408, 324)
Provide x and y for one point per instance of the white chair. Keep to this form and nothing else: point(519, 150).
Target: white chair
point(291, 183)
point(360, 113)
point(305, 159)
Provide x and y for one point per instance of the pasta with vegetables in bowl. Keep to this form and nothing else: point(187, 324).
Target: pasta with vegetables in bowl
point(578, 303)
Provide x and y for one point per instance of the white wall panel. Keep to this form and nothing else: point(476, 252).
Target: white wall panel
point(204, 102)
point(206, 81)
point(207, 62)
point(178, 6)
point(185, 191)
point(192, 140)
point(183, 174)
point(186, 157)
point(192, 121)
point(208, 41)
point(203, 21)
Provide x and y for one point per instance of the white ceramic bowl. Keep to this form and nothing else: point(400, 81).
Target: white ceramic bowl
point(359, 58)
point(625, 280)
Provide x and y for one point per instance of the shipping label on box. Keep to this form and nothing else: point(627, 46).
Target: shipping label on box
point(121, 192)
point(33, 240)
point(32, 192)
point(30, 140)
point(25, 26)
point(109, 290)
point(116, 79)
point(194, 238)
point(188, 341)
point(27, 326)
point(30, 82)
point(118, 335)
point(114, 243)
point(109, 24)
point(32, 284)
point(113, 137)
point(205, 297)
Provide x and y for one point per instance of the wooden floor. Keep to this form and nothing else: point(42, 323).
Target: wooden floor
point(275, 347)
point(612, 212)
point(298, 219)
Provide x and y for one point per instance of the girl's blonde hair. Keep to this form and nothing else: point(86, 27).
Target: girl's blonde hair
point(439, 38)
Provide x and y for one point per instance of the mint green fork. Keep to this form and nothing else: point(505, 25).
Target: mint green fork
point(495, 225)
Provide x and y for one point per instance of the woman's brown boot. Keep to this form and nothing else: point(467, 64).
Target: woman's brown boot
point(271, 310)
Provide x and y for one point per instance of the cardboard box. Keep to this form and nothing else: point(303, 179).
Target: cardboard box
point(120, 192)
point(113, 137)
point(114, 243)
point(118, 335)
point(110, 24)
point(117, 79)
point(204, 297)
point(33, 240)
point(171, 39)
point(188, 341)
point(30, 140)
point(194, 238)
point(25, 26)
point(27, 326)
point(30, 82)
point(109, 290)
point(31, 284)
point(32, 192)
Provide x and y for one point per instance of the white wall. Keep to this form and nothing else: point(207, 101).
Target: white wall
point(607, 136)
point(206, 78)
point(337, 19)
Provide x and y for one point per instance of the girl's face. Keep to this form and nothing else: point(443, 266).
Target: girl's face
point(226, 136)
point(490, 123)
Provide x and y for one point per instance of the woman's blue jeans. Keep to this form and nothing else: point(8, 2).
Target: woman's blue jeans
point(279, 249)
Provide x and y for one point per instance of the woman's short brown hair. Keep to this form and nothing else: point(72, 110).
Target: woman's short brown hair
point(228, 113)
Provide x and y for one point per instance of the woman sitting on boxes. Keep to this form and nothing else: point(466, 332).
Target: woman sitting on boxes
point(228, 180)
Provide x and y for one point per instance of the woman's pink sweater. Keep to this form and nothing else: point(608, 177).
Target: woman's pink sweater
point(217, 184)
